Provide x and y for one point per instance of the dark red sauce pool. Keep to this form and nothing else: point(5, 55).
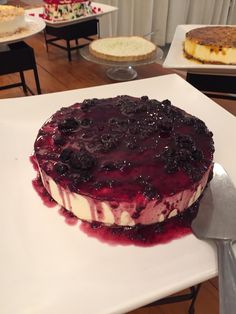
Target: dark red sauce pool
point(139, 235)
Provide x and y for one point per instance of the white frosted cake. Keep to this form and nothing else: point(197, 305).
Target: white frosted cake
point(211, 44)
point(62, 10)
point(12, 20)
point(131, 48)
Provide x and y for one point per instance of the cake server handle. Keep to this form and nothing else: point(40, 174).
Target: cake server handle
point(227, 276)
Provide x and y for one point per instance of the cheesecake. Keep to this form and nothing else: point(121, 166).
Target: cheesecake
point(12, 20)
point(66, 10)
point(211, 44)
point(124, 161)
point(124, 48)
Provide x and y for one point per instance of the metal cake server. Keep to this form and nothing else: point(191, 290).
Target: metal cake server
point(216, 220)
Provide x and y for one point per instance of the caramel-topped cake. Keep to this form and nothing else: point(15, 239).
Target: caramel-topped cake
point(124, 160)
point(124, 48)
point(211, 44)
point(12, 20)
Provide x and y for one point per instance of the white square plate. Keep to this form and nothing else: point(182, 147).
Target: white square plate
point(104, 9)
point(176, 59)
point(48, 267)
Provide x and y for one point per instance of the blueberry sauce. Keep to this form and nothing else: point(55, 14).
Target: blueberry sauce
point(39, 187)
point(70, 218)
point(117, 148)
point(139, 235)
point(143, 235)
point(42, 192)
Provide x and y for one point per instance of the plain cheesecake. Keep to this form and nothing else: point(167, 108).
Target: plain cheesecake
point(124, 48)
point(211, 44)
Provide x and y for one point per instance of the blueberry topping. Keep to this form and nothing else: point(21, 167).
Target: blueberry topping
point(124, 148)
point(197, 155)
point(106, 183)
point(188, 120)
point(184, 155)
point(86, 122)
point(108, 166)
point(184, 141)
point(109, 142)
point(123, 165)
point(171, 166)
point(141, 180)
point(200, 127)
point(87, 105)
point(166, 102)
point(60, 168)
point(132, 144)
point(68, 125)
point(82, 160)
point(144, 98)
point(134, 129)
point(66, 154)
point(113, 121)
point(59, 140)
point(129, 108)
point(78, 179)
point(153, 105)
point(150, 192)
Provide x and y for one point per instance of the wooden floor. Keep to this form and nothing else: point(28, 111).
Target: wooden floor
point(57, 74)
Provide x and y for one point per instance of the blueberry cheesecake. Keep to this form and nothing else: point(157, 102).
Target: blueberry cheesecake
point(124, 161)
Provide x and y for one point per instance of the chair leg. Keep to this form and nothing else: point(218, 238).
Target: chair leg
point(45, 38)
point(191, 309)
point(37, 83)
point(68, 50)
point(36, 76)
point(22, 77)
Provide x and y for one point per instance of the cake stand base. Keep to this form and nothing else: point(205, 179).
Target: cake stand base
point(121, 73)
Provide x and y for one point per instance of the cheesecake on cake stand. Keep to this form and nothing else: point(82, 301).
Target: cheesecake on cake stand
point(121, 55)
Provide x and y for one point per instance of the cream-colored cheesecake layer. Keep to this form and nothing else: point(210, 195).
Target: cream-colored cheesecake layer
point(122, 48)
point(12, 20)
point(209, 54)
point(123, 213)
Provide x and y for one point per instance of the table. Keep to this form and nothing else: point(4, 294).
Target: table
point(51, 267)
point(219, 86)
point(19, 57)
point(71, 32)
point(86, 27)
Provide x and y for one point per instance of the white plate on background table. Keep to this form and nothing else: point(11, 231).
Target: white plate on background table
point(50, 267)
point(104, 9)
point(34, 25)
point(175, 58)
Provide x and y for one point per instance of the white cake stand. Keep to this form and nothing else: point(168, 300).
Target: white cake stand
point(120, 71)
